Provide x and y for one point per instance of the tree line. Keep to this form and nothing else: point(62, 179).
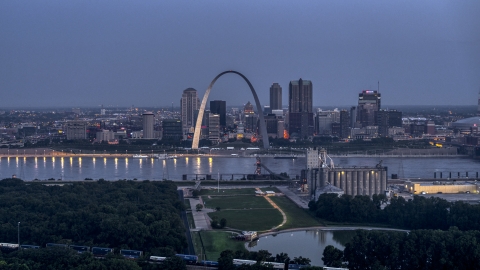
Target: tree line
point(417, 213)
point(225, 262)
point(417, 249)
point(58, 258)
point(122, 215)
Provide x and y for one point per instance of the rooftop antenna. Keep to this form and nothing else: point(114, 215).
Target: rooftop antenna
point(172, 106)
point(378, 88)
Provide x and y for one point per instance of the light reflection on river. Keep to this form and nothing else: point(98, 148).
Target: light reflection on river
point(79, 168)
point(308, 244)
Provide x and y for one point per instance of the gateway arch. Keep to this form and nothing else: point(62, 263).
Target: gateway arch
point(198, 125)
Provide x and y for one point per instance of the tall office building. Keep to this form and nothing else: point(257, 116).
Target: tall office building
point(300, 109)
point(219, 107)
point(344, 124)
point(275, 97)
point(189, 103)
point(300, 96)
point(172, 129)
point(385, 119)
point(324, 121)
point(214, 128)
point(353, 117)
point(368, 104)
point(76, 130)
point(148, 123)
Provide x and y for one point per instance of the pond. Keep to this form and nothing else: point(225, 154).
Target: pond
point(308, 243)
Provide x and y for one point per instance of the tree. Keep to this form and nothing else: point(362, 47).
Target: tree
point(174, 263)
point(223, 223)
point(301, 260)
point(199, 207)
point(225, 262)
point(332, 256)
point(282, 257)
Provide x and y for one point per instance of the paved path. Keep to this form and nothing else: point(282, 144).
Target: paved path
point(294, 197)
point(200, 218)
point(276, 207)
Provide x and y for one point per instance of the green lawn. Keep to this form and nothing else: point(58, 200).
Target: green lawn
point(251, 219)
point(296, 216)
point(233, 191)
point(236, 202)
point(187, 204)
point(191, 222)
point(197, 244)
point(215, 242)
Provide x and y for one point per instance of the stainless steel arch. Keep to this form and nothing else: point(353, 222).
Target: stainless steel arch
point(198, 125)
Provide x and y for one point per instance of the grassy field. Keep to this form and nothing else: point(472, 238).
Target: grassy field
point(216, 242)
point(296, 217)
point(187, 204)
point(236, 202)
point(191, 222)
point(251, 219)
point(247, 213)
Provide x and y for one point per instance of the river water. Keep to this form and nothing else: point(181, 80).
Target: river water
point(77, 168)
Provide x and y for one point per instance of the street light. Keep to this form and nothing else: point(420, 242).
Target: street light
point(18, 232)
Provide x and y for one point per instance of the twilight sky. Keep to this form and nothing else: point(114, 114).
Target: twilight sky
point(145, 53)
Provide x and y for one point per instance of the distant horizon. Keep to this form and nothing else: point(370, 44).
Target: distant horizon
point(228, 106)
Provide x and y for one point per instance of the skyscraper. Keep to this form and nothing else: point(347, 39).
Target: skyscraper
point(368, 104)
point(219, 107)
point(300, 108)
point(148, 123)
point(300, 96)
point(189, 103)
point(344, 124)
point(275, 97)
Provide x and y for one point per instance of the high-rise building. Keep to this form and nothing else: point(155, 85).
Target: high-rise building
point(300, 108)
point(368, 104)
point(275, 97)
point(385, 119)
point(189, 103)
point(172, 129)
point(353, 117)
point(324, 120)
point(219, 107)
point(76, 130)
point(148, 123)
point(214, 127)
point(250, 123)
point(300, 96)
point(248, 108)
point(344, 124)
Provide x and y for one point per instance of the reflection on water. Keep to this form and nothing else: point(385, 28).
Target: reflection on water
point(76, 168)
point(343, 237)
point(309, 244)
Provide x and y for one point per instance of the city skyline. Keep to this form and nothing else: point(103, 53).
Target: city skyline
point(76, 54)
